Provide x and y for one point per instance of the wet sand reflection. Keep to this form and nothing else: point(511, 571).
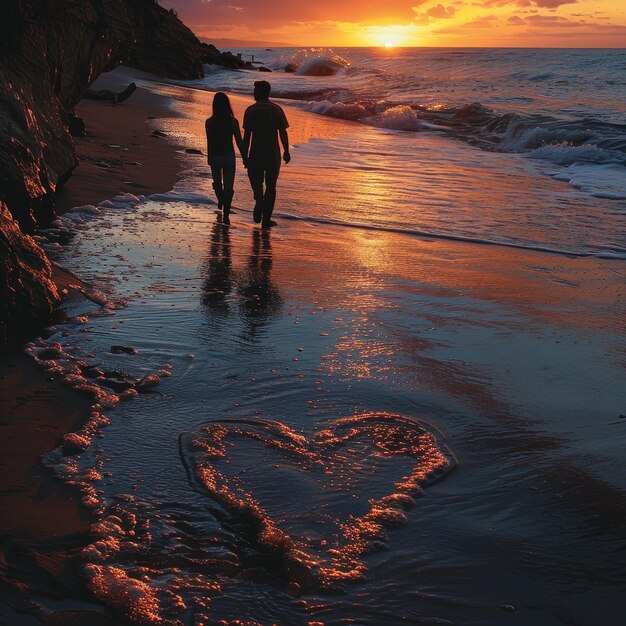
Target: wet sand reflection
point(250, 289)
point(259, 297)
point(218, 269)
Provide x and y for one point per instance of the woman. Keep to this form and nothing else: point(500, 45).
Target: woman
point(221, 127)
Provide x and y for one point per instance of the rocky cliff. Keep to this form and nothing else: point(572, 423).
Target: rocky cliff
point(50, 52)
point(27, 295)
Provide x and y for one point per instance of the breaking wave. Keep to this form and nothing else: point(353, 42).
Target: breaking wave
point(316, 62)
point(562, 143)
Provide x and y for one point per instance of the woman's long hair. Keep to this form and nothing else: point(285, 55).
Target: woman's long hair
point(222, 111)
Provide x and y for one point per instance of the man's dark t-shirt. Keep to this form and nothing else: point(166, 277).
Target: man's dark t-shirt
point(265, 119)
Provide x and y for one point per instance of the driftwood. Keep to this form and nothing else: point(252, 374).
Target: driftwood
point(110, 96)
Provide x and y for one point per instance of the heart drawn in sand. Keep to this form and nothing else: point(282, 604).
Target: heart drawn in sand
point(316, 506)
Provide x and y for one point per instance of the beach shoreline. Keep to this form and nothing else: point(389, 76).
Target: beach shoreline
point(42, 522)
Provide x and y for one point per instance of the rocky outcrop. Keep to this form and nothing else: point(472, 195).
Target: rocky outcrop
point(162, 44)
point(27, 294)
point(212, 56)
point(50, 52)
point(166, 47)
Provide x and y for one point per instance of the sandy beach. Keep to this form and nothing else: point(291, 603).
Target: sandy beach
point(509, 360)
point(120, 152)
point(41, 522)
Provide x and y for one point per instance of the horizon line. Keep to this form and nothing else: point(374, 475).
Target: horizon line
point(243, 45)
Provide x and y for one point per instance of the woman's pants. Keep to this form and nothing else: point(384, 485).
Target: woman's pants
point(223, 171)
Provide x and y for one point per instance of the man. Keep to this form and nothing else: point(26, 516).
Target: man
point(264, 122)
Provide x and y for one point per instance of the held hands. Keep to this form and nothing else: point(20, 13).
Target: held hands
point(286, 156)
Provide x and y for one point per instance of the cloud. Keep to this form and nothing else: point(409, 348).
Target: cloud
point(484, 21)
point(544, 4)
point(503, 3)
point(438, 12)
point(550, 21)
point(274, 13)
point(558, 22)
point(552, 4)
point(441, 12)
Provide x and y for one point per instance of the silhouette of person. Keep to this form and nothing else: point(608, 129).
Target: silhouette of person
point(264, 122)
point(221, 128)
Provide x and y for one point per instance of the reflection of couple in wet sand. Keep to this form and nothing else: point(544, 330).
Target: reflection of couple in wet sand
point(263, 123)
point(251, 287)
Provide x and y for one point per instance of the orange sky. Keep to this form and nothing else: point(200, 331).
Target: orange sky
point(540, 23)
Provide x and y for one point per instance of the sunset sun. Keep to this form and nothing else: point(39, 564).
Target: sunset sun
point(388, 44)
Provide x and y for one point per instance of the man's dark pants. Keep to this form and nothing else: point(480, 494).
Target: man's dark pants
point(263, 177)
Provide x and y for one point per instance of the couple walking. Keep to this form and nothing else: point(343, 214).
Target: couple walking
point(263, 123)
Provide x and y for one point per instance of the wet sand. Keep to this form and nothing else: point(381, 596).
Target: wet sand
point(120, 152)
point(506, 352)
point(546, 302)
point(42, 524)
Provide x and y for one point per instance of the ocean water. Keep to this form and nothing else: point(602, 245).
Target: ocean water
point(564, 108)
point(403, 405)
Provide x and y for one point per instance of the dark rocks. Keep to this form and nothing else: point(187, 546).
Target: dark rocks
point(36, 150)
point(212, 56)
point(290, 68)
point(75, 125)
point(228, 59)
point(27, 294)
point(92, 371)
point(262, 68)
point(193, 151)
point(162, 44)
point(117, 385)
point(123, 350)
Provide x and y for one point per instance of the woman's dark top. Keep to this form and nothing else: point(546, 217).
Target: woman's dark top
point(220, 137)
